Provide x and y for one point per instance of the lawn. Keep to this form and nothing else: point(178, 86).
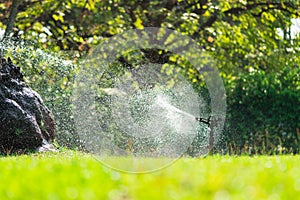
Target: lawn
point(73, 175)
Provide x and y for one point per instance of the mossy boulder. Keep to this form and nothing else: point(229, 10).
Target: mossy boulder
point(26, 123)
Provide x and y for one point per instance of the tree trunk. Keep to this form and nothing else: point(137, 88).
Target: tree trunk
point(12, 18)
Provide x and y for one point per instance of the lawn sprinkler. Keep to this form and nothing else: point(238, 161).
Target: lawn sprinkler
point(203, 120)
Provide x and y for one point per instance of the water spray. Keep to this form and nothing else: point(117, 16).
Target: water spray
point(165, 104)
point(148, 112)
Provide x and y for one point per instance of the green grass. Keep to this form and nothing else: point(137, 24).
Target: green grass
point(71, 175)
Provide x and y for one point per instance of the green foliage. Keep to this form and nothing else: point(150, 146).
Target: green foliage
point(264, 112)
point(69, 175)
point(242, 37)
point(18, 131)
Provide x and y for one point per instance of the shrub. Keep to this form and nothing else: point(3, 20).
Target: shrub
point(263, 112)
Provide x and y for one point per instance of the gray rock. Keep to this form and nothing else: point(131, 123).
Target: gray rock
point(25, 122)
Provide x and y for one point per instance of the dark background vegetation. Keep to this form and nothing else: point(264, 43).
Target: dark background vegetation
point(256, 51)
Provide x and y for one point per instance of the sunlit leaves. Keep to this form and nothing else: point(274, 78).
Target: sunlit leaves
point(139, 23)
point(59, 16)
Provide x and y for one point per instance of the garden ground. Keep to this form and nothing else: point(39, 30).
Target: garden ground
point(74, 175)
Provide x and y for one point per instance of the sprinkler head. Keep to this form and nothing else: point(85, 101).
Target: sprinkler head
point(203, 120)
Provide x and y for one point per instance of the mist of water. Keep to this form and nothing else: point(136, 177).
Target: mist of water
point(162, 102)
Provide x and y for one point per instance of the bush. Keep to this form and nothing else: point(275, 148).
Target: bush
point(263, 112)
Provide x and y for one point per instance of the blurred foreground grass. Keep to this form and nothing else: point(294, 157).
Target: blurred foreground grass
point(72, 175)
